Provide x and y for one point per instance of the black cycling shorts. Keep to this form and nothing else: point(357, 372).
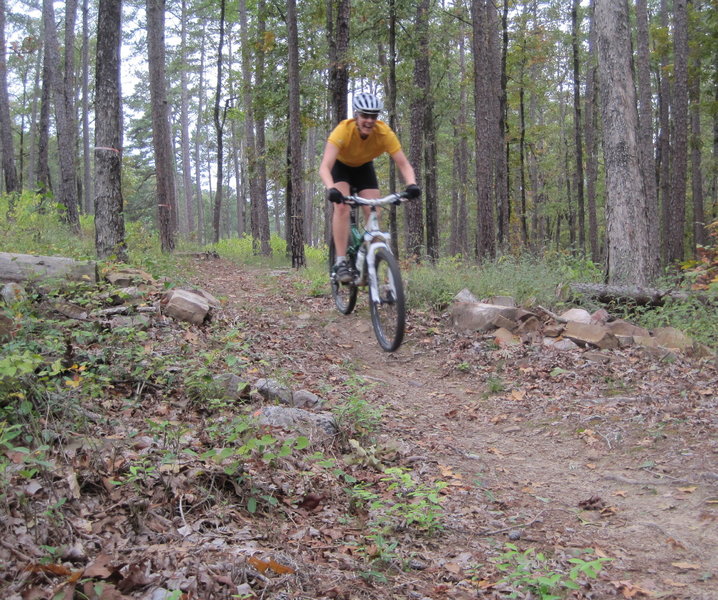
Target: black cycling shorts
point(359, 178)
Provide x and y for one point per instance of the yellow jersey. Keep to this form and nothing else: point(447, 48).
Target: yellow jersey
point(354, 151)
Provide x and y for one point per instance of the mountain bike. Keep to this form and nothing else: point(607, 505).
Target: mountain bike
point(373, 266)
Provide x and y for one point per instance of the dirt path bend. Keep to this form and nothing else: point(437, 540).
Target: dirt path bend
point(561, 451)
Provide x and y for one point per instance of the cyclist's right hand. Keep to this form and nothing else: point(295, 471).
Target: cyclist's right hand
point(413, 191)
point(334, 195)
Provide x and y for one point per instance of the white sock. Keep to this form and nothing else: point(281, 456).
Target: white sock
point(339, 260)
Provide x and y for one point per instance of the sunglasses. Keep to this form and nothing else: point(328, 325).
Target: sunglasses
point(371, 116)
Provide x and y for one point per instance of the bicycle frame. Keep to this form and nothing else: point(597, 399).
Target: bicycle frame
point(374, 238)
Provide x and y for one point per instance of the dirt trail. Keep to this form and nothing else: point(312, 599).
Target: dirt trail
point(543, 449)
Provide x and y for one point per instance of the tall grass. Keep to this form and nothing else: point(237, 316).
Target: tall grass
point(528, 279)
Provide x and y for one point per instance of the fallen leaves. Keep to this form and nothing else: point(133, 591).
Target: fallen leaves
point(269, 564)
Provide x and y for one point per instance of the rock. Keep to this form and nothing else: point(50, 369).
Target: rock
point(599, 357)
point(186, 306)
point(577, 315)
point(305, 399)
point(502, 301)
point(503, 336)
point(620, 327)
point(553, 329)
point(500, 321)
point(560, 343)
point(316, 426)
point(140, 322)
point(670, 337)
point(12, 292)
point(477, 316)
point(124, 278)
point(211, 300)
point(235, 388)
point(529, 324)
point(465, 296)
point(600, 317)
point(273, 391)
point(594, 335)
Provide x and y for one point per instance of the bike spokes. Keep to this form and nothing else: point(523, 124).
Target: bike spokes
point(388, 312)
point(344, 294)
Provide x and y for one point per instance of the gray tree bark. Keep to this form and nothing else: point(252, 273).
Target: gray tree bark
point(87, 180)
point(627, 230)
point(6, 141)
point(590, 132)
point(109, 217)
point(64, 93)
point(187, 190)
point(413, 211)
point(677, 204)
point(577, 128)
point(296, 166)
point(161, 138)
point(219, 117)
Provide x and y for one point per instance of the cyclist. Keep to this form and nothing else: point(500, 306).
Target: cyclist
point(348, 164)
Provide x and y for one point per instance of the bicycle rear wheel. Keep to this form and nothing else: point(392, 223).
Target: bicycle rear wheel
point(388, 315)
point(344, 294)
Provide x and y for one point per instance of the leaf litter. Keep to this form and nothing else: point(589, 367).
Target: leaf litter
point(527, 462)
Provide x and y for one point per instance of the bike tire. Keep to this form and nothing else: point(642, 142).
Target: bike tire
point(344, 294)
point(388, 315)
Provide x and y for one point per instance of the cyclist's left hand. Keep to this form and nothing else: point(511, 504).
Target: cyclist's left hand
point(412, 191)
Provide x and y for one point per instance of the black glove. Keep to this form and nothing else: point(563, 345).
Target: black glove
point(334, 195)
point(412, 191)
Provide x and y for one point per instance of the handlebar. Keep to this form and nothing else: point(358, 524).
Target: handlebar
point(395, 198)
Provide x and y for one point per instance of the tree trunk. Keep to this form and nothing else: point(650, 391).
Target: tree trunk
point(502, 169)
point(198, 144)
point(259, 126)
point(64, 93)
point(6, 142)
point(22, 267)
point(219, 116)
point(485, 237)
point(645, 129)
point(161, 138)
point(296, 169)
point(44, 182)
point(413, 210)
point(627, 225)
point(256, 221)
point(338, 40)
point(391, 89)
point(677, 204)
point(664, 139)
point(700, 233)
point(187, 190)
point(578, 134)
point(87, 185)
point(109, 217)
point(590, 132)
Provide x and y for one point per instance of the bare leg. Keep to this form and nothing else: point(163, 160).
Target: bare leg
point(340, 221)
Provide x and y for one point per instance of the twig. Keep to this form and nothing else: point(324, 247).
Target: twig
point(523, 526)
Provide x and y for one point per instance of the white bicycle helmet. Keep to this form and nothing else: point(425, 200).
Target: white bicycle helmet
point(367, 103)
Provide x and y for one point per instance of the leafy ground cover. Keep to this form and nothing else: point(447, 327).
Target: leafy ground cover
point(462, 469)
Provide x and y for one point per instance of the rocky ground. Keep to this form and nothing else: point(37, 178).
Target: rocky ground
point(548, 452)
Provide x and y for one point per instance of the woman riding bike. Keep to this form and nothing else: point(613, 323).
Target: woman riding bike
point(348, 165)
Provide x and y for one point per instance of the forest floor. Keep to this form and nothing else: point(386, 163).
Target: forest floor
point(620, 457)
point(556, 451)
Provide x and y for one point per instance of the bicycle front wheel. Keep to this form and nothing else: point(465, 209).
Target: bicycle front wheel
point(344, 294)
point(388, 314)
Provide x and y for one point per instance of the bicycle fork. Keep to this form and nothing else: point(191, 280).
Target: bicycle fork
point(370, 261)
